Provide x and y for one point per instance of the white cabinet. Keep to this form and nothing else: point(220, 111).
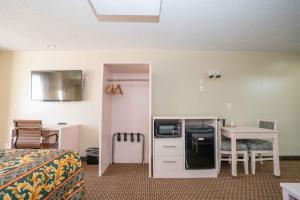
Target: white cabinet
point(169, 157)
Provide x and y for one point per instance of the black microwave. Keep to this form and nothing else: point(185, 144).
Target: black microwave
point(167, 129)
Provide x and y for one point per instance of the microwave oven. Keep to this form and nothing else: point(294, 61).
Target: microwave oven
point(167, 129)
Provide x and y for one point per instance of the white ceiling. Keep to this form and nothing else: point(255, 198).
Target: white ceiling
point(205, 25)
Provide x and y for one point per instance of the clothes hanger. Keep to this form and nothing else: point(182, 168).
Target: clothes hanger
point(118, 90)
point(110, 89)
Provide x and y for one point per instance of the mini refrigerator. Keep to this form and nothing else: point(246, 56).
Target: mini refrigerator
point(199, 148)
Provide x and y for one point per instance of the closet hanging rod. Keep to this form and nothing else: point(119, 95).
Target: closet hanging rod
point(119, 80)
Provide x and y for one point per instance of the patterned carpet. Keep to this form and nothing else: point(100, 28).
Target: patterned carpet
point(130, 181)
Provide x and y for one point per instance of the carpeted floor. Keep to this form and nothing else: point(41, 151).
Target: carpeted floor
point(130, 181)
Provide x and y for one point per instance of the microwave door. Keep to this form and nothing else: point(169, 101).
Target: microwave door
point(166, 130)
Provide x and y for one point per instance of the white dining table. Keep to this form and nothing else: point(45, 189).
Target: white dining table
point(248, 132)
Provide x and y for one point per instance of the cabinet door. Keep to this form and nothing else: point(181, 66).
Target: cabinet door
point(168, 147)
point(168, 163)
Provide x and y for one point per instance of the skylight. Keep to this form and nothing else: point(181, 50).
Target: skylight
point(127, 10)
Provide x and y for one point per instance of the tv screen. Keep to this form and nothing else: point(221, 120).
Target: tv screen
point(56, 85)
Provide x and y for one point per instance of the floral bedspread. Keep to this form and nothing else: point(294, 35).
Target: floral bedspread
point(40, 174)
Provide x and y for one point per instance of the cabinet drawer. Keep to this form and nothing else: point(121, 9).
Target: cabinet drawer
point(168, 163)
point(168, 147)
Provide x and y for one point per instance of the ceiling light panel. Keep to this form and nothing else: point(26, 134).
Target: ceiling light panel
point(127, 10)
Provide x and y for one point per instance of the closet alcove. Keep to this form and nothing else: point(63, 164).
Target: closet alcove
point(126, 108)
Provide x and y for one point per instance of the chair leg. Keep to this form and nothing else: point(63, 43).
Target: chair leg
point(260, 157)
point(246, 168)
point(229, 161)
point(253, 162)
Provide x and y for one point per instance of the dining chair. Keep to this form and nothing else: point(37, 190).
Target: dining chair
point(224, 146)
point(29, 135)
point(261, 150)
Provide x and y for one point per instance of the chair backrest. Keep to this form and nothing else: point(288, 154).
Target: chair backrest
point(28, 123)
point(272, 125)
point(28, 138)
point(28, 134)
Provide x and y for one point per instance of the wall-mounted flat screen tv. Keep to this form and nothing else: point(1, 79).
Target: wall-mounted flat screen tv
point(64, 85)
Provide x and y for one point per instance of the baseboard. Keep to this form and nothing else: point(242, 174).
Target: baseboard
point(83, 159)
point(289, 157)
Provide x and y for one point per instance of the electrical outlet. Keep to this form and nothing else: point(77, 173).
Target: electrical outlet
point(228, 106)
point(201, 85)
point(201, 88)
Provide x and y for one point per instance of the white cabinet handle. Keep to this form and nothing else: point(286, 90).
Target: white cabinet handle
point(169, 161)
point(169, 146)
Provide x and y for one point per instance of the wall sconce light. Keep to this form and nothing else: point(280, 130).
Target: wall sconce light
point(218, 74)
point(214, 74)
point(211, 74)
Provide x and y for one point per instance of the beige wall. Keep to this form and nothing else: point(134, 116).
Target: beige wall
point(258, 86)
point(5, 78)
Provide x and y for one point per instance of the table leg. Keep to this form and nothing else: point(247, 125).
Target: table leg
point(233, 157)
point(276, 155)
point(60, 139)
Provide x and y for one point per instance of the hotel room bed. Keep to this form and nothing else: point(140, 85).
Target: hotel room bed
point(40, 174)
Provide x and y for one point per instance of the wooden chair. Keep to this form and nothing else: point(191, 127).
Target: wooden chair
point(261, 150)
point(29, 135)
point(224, 147)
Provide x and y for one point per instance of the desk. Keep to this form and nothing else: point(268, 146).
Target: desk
point(245, 132)
point(68, 135)
point(290, 190)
